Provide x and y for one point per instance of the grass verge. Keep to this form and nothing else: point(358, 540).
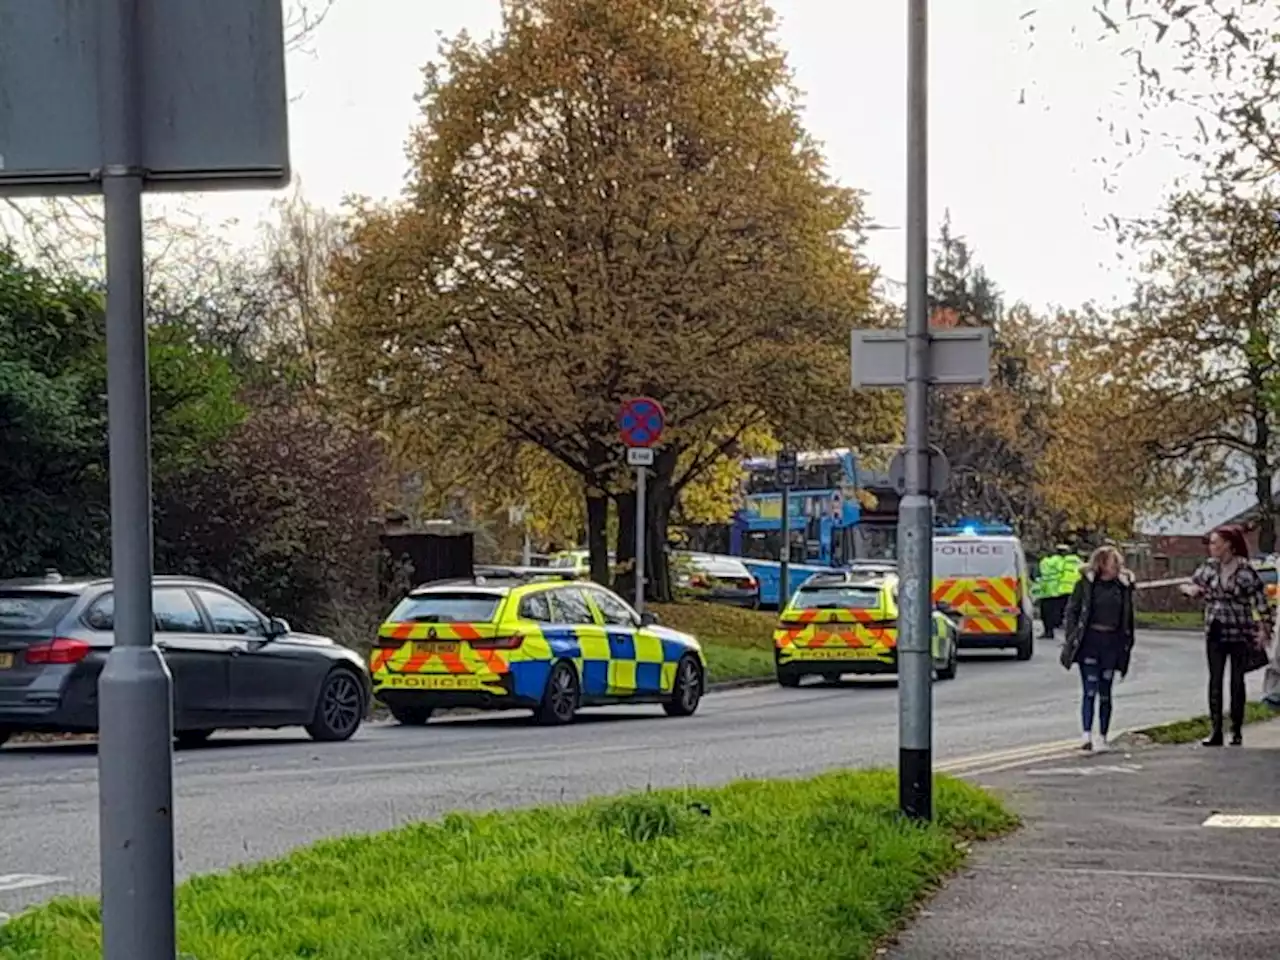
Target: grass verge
point(738, 643)
point(1180, 620)
point(1197, 728)
point(780, 869)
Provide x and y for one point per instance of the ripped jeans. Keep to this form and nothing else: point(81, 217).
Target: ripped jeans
point(1096, 681)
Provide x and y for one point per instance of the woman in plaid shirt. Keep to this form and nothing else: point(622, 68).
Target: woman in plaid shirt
point(1236, 617)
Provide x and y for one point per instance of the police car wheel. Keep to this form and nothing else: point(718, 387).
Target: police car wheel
point(561, 698)
point(790, 680)
point(688, 689)
point(192, 738)
point(948, 672)
point(339, 709)
point(411, 716)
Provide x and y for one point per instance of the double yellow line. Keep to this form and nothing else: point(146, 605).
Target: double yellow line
point(998, 760)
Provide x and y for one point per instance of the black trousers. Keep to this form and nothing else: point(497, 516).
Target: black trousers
point(1051, 611)
point(1219, 654)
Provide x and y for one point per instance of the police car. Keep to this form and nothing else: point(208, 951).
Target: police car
point(529, 638)
point(847, 623)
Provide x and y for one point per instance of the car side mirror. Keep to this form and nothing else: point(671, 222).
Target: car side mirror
point(648, 619)
point(276, 628)
point(946, 609)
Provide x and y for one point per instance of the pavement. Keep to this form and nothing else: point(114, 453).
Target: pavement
point(1116, 860)
point(247, 798)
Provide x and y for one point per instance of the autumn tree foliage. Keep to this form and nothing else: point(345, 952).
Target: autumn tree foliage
point(609, 198)
point(1206, 81)
point(1199, 348)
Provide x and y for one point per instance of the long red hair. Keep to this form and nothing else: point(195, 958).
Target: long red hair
point(1234, 536)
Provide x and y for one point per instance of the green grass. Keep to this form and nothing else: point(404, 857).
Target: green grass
point(738, 643)
point(1197, 728)
point(1181, 620)
point(776, 870)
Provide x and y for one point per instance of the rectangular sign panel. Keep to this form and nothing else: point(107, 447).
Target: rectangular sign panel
point(214, 104)
point(958, 357)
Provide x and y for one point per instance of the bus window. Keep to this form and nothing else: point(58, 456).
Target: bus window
point(762, 545)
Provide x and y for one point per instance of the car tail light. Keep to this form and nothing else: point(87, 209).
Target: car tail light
point(497, 643)
point(58, 650)
point(698, 580)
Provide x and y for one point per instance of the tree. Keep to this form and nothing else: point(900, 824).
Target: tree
point(1198, 351)
point(1212, 63)
point(53, 476)
point(283, 510)
point(610, 198)
point(993, 437)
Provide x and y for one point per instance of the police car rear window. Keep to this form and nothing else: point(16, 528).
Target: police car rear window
point(838, 598)
point(446, 608)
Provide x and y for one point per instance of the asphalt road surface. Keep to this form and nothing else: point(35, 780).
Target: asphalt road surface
point(254, 797)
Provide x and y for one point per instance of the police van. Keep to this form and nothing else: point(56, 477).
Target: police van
point(981, 573)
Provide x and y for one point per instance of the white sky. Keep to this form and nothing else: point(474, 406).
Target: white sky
point(1020, 179)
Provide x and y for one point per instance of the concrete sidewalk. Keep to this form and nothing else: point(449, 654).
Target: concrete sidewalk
point(1115, 860)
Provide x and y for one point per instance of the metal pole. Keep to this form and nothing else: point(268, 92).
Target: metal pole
point(784, 554)
point(135, 750)
point(642, 477)
point(915, 517)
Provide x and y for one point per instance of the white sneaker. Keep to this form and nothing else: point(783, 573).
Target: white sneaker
point(1102, 746)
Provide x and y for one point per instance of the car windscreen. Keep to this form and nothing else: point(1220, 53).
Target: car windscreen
point(979, 558)
point(1269, 574)
point(838, 597)
point(32, 609)
point(446, 608)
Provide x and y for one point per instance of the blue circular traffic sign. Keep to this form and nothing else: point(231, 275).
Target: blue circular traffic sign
point(640, 422)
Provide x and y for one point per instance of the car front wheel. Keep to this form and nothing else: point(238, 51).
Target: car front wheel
point(5, 734)
point(192, 738)
point(339, 709)
point(948, 672)
point(688, 689)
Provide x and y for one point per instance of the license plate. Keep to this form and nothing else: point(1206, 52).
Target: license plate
point(839, 653)
point(435, 649)
point(428, 681)
point(6, 661)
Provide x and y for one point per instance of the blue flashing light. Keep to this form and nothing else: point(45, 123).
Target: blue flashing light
point(975, 528)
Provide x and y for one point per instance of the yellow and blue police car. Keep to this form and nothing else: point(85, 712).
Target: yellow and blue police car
point(847, 623)
point(529, 638)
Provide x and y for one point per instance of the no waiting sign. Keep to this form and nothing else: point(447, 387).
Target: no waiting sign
point(640, 422)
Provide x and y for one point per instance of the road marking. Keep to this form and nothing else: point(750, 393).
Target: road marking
point(1089, 770)
point(1247, 821)
point(1016, 757)
point(23, 881)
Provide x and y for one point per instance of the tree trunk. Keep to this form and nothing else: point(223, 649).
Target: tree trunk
point(661, 501)
point(1264, 477)
point(625, 582)
point(598, 535)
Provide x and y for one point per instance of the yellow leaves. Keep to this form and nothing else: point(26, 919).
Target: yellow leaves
point(610, 198)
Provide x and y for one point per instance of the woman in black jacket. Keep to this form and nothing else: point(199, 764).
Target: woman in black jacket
point(1099, 637)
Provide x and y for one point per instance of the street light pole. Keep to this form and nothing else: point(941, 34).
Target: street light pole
point(135, 716)
point(915, 518)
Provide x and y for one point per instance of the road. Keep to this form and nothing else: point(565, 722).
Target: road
point(256, 797)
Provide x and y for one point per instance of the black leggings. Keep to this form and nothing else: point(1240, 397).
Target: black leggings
point(1219, 653)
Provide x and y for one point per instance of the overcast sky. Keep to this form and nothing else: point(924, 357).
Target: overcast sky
point(1014, 141)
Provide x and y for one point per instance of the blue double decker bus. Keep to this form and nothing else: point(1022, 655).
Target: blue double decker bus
point(824, 513)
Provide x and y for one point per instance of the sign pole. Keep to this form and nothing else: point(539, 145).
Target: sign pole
point(640, 424)
point(135, 748)
point(642, 476)
point(915, 517)
point(784, 552)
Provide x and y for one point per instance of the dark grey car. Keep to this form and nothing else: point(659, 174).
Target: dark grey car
point(232, 667)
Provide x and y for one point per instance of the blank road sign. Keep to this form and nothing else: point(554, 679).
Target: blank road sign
point(958, 357)
point(213, 100)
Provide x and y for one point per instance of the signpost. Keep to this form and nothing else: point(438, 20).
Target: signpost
point(788, 466)
point(117, 97)
point(640, 424)
point(914, 359)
